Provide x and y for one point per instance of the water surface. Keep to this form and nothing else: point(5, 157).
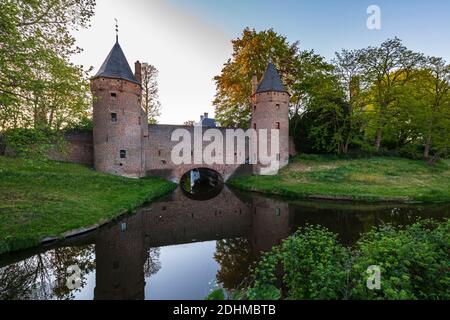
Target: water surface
point(181, 248)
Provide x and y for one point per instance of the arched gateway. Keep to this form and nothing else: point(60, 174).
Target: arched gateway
point(125, 145)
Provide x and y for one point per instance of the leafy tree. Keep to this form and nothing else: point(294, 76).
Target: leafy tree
point(386, 69)
point(251, 53)
point(435, 84)
point(349, 73)
point(39, 86)
point(150, 101)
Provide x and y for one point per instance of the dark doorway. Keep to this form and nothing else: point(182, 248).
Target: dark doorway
point(201, 184)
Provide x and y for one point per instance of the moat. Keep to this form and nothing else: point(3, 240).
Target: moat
point(181, 247)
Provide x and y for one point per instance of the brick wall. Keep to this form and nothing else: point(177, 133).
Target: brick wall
point(79, 148)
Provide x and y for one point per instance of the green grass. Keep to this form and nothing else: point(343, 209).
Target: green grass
point(39, 200)
point(374, 179)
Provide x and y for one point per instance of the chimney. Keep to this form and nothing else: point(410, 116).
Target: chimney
point(206, 115)
point(254, 83)
point(138, 71)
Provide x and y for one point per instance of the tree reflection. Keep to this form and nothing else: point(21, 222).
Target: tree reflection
point(43, 276)
point(152, 263)
point(235, 259)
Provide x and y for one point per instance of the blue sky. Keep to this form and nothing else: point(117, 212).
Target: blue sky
point(189, 40)
point(330, 25)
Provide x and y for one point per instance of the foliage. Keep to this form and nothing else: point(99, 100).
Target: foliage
point(39, 86)
point(313, 263)
point(33, 143)
point(386, 99)
point(40, 199)
point(364, 179)
point(217, 294)
point(413, 262)
point(85, 123)
point(251, 53)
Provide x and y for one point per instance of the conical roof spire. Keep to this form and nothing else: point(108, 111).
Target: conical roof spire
point(116, 66)
point(271, 81)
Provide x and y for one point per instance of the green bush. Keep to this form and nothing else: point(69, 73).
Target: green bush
point(311, 264)
point(32, 143)
point(414, 262)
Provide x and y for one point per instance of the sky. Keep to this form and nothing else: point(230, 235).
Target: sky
point(188, 41)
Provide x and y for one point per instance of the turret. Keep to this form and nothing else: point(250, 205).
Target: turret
point(270, 110)
point(119, 121)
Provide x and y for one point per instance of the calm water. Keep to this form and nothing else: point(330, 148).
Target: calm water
point(181, 248)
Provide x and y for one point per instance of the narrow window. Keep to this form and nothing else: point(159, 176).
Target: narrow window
point(123, 154)
point(278, 125)
point(159, 153)
point(278, 157)
point(113, 95)
point(113, 117)
point(277, 106)
point(139, 120)
point(254, 126)
point(254, 108)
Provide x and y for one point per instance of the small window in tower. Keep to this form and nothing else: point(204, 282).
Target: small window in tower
point(278, 212)
point(123, 154)
point(278, 157)
point(113, 95)
point(277, 106)
point(139, 121)
point(254, 108)
point(113, 117)
point(278, 125)
point(254, 126)
point(159, 153)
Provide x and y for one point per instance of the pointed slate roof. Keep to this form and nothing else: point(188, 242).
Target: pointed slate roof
point(116, 66)
point(271, 81)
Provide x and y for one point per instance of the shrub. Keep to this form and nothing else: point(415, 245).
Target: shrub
point(32, 143)
point(311, 264)
point(414, 262)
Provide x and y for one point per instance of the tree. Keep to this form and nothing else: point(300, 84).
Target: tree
point(150, 101)
point(38, 83)
point(189, 123)
point(251, 53)
point(427, 103)
point(349, 73)
point(386, 68)
point(438, 111)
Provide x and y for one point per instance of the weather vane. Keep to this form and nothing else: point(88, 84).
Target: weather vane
point(117, 30)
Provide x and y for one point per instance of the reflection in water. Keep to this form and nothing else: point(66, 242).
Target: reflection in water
point(201, 184)
point(43, 276)
point(174, 248)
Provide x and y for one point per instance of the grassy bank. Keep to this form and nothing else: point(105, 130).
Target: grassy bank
point(374, 179)
point(39, 200)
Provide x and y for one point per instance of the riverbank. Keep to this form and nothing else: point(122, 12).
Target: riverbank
point(42, 200)
point(378, 179)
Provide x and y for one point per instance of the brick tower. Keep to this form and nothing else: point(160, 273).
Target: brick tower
point(270, 110)
point(120, 124)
